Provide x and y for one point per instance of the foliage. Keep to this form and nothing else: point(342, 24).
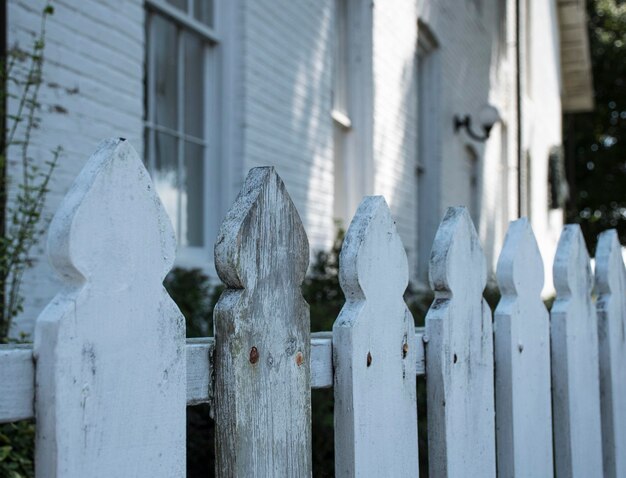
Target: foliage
point(597, 140)
point(21, 79)
point(22, 222)
point(17, 450)
point(195, 297)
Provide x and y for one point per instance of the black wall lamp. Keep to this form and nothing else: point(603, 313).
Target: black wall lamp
point(487, 117)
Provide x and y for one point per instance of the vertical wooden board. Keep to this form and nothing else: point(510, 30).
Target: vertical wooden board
point(611, 307)
point(574, 352)
point(110, 348)
point(522, 355)
point(262, 336)
point(459, 355)
point(374, 352)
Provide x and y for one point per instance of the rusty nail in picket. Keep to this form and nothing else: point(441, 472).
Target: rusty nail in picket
point(299, 358)
point(369, 359)
point(254, 355)
point(405, 350)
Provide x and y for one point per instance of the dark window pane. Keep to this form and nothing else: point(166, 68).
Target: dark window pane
point(203, 11)
point(193, 197)
point(194, 82)
point(165, 71)
point(166, 174)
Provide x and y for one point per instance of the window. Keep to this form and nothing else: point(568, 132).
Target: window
point(473, 165)
point(428, 161)
point(558, 190)
point(341, 112)
point(180, 96)
point(352, 106)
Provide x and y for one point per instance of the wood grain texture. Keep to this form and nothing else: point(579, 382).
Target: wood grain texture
point(522, 355)
point(611, 307)
point(17, 382)
point(110, 347)
point(575, 374)
point(262, 336)
point(374, 352)
point(459, 355)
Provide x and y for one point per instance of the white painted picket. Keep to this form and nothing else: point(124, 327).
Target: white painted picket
point(110, 348)
point(611, 305)
point(110, 372)
point(374, 352)
point(459, 355)
point(575, 375)
point(522, 354)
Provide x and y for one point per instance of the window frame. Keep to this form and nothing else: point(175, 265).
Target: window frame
point(188, 256)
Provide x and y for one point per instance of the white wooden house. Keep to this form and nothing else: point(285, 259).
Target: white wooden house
point(344, 97)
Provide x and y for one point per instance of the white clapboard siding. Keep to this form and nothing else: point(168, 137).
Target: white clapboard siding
point(110, 348)
point(611, 306)
point(522, 352)
point(459, 355)
point(262, 336)
point(575, 375)
point(374, 352)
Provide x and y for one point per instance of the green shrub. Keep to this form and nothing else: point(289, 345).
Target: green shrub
point(17, 450)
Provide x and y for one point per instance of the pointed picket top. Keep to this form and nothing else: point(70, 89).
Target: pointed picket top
point(611, 307)
point(520, 266)
point(373, 245)
point(571, 269)
point(456, 241)
point(262, 335)
point(374, 351)
point(112, 243)
point(98, 239)
point(459, 355)
point(574, 353)
point(609, 264)
point(247, 226)
point(522, 352)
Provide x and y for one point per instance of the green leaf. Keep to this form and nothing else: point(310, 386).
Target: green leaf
point(5, 451)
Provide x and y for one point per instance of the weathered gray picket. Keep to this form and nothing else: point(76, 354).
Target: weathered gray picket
point(374, 352)
point(459, 355)
point(110, 348)
point(611, 306)
point(262, 335)
point(522, 354)
point(110, 373)
point(575, 375)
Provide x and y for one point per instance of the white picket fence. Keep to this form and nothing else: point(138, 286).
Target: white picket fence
point(112, 372)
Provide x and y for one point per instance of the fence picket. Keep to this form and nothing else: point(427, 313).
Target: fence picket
point(575, 375)
point(374, 352)
point(262, 336)
point(110, 348)
point(459, 355)
point(611, 307)
point(522, 352)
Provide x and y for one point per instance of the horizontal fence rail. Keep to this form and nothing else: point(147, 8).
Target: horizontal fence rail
point(17, 372)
